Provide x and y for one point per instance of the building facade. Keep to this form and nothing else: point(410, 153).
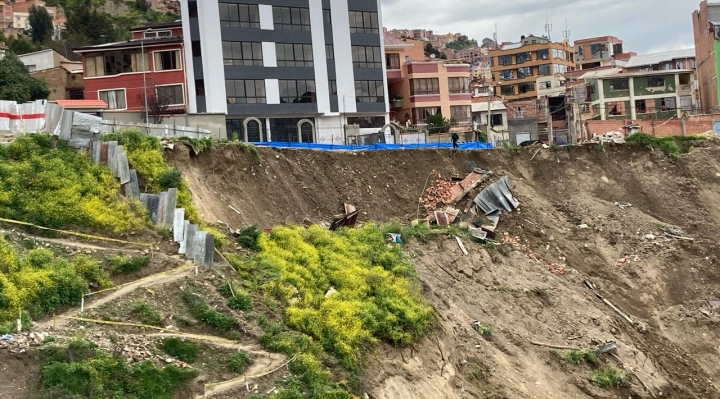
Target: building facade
point(516, 67)
point(419, 88)
point(667, 61)
point(706, 29)
point(287, 70)
point(640, 96)
point(146, 73)
point(597, 52)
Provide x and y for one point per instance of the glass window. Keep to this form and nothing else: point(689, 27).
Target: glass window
point(392, 61)
point(559, 68)
point(329, 52)
point(507, 74)
point(364, 22)
point(333, 87)
point(297, 91)
point(170, 95)
point(369, 91)
point(507, 90)
point(327, 19)
point(420, 115)
point(294, 55)
point(668, 104)
point(115, 99)
point(523, 57)
point(504, 60)
point(245, 91)
point(656, 82)
point(543, 54)
point(619, 84)
point(366, 57)
point(459, 85)
point(424, 86)
point(461, 113)
point(545, 70)
point(526, 87)
point(524, 72)
point(239, 16)
point(243, 53)
point(291, 18)
point(367, 122)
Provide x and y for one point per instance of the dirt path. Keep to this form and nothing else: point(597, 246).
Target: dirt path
point(261, 367)
point(156, 279)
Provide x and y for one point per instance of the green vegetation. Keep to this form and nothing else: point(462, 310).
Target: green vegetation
point(83, 371)
point(240, 301)
point(673, 146)
point(41, 24)
point(248, 238)
point(462, 43)
point(201, 311)
point(123, 265)
point(576, 357)
point(147, 314)
point(61, 188)
point(375, 296)
point(239, 362)
point(181, 350)
point(20, 44)
point(484, 329)
point(609, 377)
point(41, 283)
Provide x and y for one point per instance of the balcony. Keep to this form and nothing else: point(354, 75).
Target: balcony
point(396, 103)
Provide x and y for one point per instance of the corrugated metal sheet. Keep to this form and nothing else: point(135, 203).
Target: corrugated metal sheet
point(657, 58)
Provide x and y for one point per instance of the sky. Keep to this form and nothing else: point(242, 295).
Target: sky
point(645, 26)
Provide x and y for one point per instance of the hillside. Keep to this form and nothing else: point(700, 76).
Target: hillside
point(303, 312)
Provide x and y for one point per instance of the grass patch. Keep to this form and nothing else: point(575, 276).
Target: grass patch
point(248, 238)
point(181, 350)
point(239, 362)
point(576, 357)
point(83, 371)
point(147, 314)
point(240, 301)
point(609, 377)
point(673, 146)
point(201, 311)
point(122, 265)
point(46, 182)
point(484, 329)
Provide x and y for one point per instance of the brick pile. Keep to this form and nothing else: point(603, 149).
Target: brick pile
point(436, 196)
point(552, 267)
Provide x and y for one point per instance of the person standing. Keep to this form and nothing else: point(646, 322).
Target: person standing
point(455, 139)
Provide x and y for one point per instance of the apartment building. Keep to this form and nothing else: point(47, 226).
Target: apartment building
point(598, 52)
point(640, 95)
point(420, 87)
point(516, 66)
point(706, 30)
point(287, 70)
point(146, 73)
point(666, 61)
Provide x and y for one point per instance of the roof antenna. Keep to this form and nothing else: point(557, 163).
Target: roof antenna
point(566, 32)
point(548, 27)
point(495, 35)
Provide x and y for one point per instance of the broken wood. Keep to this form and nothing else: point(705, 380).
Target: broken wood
point(679, 237)
point(449, 274)
point(552, 346)
point(536, 152)
point(236, 211)
point(620, 312)
point(462, 246)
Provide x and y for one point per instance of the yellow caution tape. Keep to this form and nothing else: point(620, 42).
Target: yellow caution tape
point(136, 281)
point(249, 377)
point(83, 235)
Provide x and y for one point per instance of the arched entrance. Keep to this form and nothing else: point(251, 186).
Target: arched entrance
point(313, 138)
point(395, 129)
point(245, 128)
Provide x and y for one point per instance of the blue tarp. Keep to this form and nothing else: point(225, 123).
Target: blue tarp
point(379, 146)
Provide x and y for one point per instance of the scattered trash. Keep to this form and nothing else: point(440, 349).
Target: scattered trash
point(446, 217)
point(627, 259)
point(623, 205)
point(608, 347)
point(650, 237)
point(347, 220)
point(714, 304)
point(394, 238)
point(478, 233)
point(613, 307)
point(6, 337)
point(553, 267)
point(583, 226)
point(461, 245)
point(609, 137)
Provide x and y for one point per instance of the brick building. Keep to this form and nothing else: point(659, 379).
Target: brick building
point(597, 52)
point(706, 29)
point(64, 81)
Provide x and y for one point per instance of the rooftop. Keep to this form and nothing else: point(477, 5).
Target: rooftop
point(173, 24)
point(131, 43)
point(482, 106)
point(392, 41)
point(82, 103)
point(652, 59)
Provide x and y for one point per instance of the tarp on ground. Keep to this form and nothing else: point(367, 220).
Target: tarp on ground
point(378, 146)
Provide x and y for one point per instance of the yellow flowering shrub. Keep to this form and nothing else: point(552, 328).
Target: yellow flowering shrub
point(375, 298)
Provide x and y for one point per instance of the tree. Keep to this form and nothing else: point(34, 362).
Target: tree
point(41, 24)
point(142, 5)
point(430, 50)
point(158, 103)
point(89, 25)
point(16, 84)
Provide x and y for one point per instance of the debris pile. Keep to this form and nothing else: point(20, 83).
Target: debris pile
point(609, 137)
point(436, 195)
point(552, 267)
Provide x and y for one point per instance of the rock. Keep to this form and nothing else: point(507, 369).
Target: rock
point(583, 226)
point(332, 291)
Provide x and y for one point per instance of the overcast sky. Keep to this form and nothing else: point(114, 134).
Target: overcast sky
point(645, 26)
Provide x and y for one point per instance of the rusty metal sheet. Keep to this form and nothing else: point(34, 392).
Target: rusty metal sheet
point(104, 153)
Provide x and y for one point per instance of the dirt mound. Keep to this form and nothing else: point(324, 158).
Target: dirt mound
point(567, 216)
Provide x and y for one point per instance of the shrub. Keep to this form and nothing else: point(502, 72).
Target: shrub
point(182, 350)
point(576, 357)
point(673, 146)
point(169, 178)
point(83, 371)
point(61, 188)
point(147, 314)
point(241, 300)
point(201, 311)
point(609, 377)
point(220, 239)
point(375, 297)
point(123, 265)
point(91, 271)
point(248, 238)
point(239, 362)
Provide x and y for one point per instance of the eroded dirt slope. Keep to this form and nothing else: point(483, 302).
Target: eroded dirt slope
point(665, 287)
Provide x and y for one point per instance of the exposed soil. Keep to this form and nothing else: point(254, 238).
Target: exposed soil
point(663, 285)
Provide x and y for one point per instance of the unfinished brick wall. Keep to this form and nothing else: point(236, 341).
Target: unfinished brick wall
point(693, 125)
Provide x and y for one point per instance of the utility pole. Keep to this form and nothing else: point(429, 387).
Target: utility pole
point(549, 120)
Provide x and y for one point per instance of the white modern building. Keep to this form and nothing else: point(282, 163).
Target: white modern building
point(287, 70)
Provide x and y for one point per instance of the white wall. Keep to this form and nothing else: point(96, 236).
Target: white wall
point(330, 130)
point(340, 15)
point(189, 67)
point(42, 60)
point(213, 64)
point(322, 86)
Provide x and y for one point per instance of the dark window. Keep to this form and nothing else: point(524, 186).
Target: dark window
point(524, 72)
point(523, 57)
point(459, 85)
point(364, 22)
point(239, 16)
point(545, 70)
point(327, 19)
point(117, 63)
point(171, 95)
point(668, 104)
point(242, 53)
point(370, 91)
point(291, 18)
point(461, 113)
point(507, 90)
point(526, 87)
point(619, 84)
point(245, 91)
point(367, 122)
point(504, 60)
point(543, 54)
point(237, 127)
point(192, 9)
point(507, 74)
point(200, 87)
point(366, 57)
point(656, 82)
point(497, 119)
point(294, 55)
point(329, 52)
point(167, 60)
point(392, 61)
point(286, 130)
point(75, 94)
point(424, 86)
point(196, 48)
point(333, 87)
point(297, 91)
point(640, 106)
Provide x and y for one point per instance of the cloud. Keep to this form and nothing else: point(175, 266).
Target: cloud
point(644, 25)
